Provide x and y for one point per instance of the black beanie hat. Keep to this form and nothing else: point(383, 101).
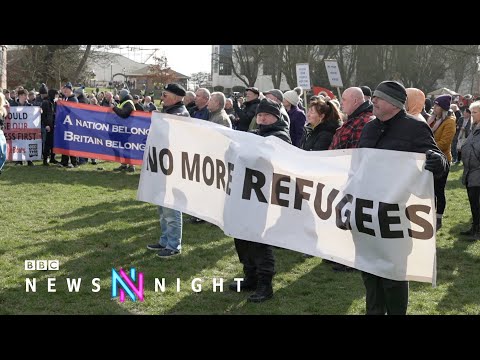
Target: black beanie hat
point(269, 106)
point(175, 89)
point(52, 93)
point(366, 90)
point(392, 92)
point(43, 89)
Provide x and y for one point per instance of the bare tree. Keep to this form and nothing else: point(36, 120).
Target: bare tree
point(245, 62)
point(82, 63)
point(30, 65)
point(272, 63)
point(461, 59)
point(311, 54)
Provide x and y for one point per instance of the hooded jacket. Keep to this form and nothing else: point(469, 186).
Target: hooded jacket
point(415, 103)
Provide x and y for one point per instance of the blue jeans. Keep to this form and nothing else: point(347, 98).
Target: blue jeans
point(171, 224)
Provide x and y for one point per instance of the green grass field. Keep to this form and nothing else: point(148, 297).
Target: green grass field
point(89, 220)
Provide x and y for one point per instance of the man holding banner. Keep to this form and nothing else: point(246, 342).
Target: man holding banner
point(393, 129)
point(257, 258)
point(124, 109)
point(170, 242)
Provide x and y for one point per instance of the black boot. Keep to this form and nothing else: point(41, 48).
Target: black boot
point(264, 289)
point(476, 233)
point(439, 223)
point(470, 231)
point(249, 283)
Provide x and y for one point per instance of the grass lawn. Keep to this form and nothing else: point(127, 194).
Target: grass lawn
point(88, 219)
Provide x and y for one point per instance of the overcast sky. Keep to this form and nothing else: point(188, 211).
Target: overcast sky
point(185, 59)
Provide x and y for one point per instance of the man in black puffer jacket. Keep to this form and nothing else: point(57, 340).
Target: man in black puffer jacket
point(393, 129)
point(257, 258)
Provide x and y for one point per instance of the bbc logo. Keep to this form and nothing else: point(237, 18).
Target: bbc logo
point(42, 265)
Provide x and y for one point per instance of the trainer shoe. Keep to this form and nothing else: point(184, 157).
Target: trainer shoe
point(165, 253)
point(155, 247)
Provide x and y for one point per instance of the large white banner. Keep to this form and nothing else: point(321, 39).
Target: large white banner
point(366, 208)
point(23, 133)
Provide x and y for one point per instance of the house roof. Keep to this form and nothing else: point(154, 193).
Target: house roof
point(144, 71)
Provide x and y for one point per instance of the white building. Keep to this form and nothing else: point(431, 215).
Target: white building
point(109, 66)
point(222, 74)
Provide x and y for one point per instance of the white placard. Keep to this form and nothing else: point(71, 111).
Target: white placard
point(333, 72)
point(303, 76)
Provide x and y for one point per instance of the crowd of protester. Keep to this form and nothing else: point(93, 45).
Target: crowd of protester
point(390, 117)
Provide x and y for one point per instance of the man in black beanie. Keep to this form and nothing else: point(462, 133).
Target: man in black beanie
point(257, 258)
point(393, 129)
point(367, 92)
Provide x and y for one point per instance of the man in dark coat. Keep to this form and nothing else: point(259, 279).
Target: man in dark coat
point(257, 258)
point(247, 112)
point(393, 129)
point(171, 221)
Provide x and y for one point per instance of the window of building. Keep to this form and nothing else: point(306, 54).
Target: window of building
point(225, 60)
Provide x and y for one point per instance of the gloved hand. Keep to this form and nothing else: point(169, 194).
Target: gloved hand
point(435, 163)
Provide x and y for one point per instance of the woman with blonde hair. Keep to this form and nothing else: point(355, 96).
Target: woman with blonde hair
point(443, 123)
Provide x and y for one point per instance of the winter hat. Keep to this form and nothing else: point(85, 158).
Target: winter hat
point(366, 90)
point(43, 89)
point(443, 101)
point(275, 92)
point(175, 89)
point(268, 106)
point(68, 85)
point(79, 91)
point(123, 93)
point(298, 90)
point(253, 89)
point(51, 93)
point(392, 92)
point(292, 97)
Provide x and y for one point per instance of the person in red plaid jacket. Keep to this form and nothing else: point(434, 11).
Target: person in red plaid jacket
point(359, 112)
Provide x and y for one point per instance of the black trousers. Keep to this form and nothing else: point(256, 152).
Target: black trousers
point(385, 296)
point(64, 160)
point(439, 186)
point(48, 145)
point(474, 199)
point(257, 259)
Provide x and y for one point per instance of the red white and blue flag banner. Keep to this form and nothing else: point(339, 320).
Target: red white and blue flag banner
point(23, 133)
point(370, 209)
point(96, 132)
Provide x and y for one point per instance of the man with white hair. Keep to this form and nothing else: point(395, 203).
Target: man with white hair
point(189, 101)
point(202, 97)
point(216, 107)
point(148, 105)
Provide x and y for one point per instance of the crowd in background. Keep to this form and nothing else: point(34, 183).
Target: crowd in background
point(390, 117)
